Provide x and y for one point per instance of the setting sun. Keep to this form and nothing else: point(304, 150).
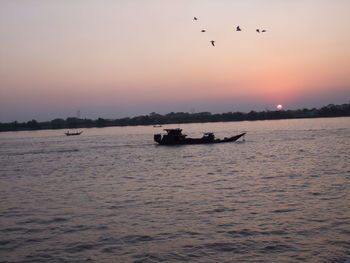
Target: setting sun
point(279, 107)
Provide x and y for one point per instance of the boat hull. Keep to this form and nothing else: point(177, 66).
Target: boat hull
point(205, 140)
point(73, 133)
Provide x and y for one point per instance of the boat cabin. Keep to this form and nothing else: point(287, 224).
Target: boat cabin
point(174, 132)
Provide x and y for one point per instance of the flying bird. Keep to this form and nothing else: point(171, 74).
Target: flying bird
point(263, 31)
point(258, 30)
point(238, 28)
point(213, 43)
point(203, 30)
point(195, 18)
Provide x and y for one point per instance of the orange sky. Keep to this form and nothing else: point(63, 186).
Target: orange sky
point(122, 58)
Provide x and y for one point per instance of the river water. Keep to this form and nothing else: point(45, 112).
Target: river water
point(112, 195)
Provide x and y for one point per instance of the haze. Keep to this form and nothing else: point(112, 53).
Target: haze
point(114, 59)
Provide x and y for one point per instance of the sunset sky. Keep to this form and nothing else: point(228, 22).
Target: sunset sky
point(121, 58)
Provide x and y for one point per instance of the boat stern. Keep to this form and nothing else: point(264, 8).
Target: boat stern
point(157, 138)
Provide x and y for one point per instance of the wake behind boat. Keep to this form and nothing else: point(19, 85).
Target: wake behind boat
point(73, 133)
point(175, 137)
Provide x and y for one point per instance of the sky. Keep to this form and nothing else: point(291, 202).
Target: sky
point(123, 58)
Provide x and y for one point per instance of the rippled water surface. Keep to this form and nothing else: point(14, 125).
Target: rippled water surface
point(112, 195)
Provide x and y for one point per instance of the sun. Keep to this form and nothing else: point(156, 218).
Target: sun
point(279, 107)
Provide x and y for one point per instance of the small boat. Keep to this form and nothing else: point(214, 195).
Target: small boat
point(73, 133)
point(175, 137)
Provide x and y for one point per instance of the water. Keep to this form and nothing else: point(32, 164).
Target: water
point(112, 195)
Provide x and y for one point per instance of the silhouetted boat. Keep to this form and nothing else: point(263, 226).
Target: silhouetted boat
point(73, 133)
point(175, 137)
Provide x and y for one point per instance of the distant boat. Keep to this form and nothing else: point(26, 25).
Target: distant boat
point(175, 137)
point(73, 133)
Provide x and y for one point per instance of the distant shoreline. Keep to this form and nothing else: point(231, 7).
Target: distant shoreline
point(179, 118)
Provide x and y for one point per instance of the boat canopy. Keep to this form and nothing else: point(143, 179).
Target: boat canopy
point(173, 131)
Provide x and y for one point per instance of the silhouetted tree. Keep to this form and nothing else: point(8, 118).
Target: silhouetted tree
point(58, 124)
point(100, 122)
point(33, 125)
point(330, 110)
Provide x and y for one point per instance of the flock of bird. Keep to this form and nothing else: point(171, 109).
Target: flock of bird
point(237, 29)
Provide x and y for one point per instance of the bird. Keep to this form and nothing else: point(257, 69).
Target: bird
point(203, 30)
point(195, 18)
point(238, 28)
point(263, 31)
point(258, 30)
point(213, 43)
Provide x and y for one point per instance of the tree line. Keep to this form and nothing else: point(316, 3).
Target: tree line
point(179, 117)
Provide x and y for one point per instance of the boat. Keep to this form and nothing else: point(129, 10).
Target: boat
point(175, 137)
point(73, 133)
